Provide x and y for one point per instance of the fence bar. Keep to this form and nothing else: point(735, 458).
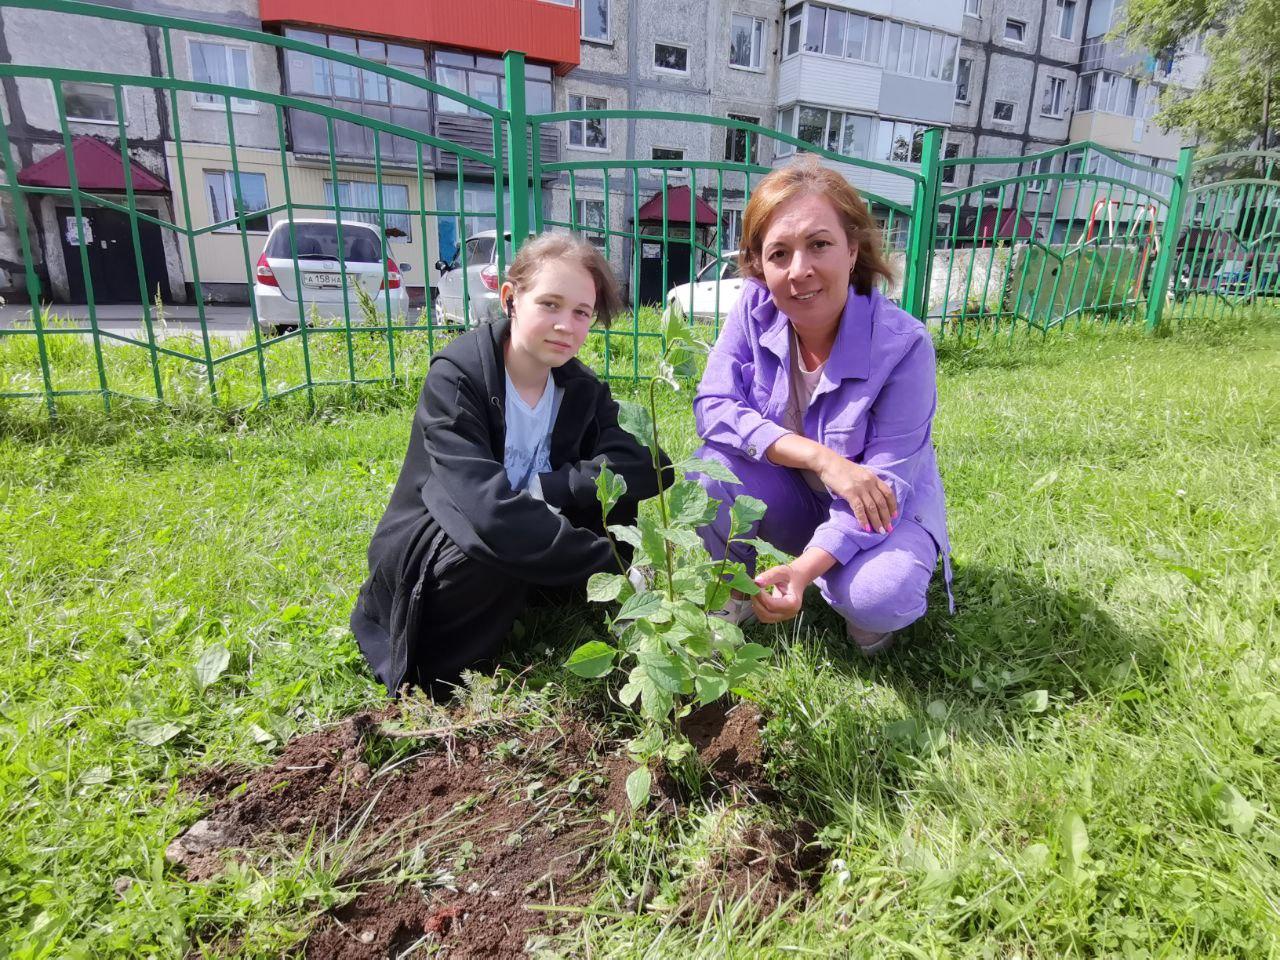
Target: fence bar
point(517, 149)
point(1169, 237)
point(924, 214)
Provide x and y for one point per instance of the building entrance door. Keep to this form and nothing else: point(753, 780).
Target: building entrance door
point(112, 269)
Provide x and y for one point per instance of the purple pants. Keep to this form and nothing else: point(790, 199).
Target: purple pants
point(879, 590)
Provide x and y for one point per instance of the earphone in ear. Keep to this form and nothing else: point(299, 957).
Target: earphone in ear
point(511, 306)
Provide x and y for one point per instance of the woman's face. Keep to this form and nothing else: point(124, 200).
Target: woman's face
point(552, 316)
point(807, 261)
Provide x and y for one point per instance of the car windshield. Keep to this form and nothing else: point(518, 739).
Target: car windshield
point(480, 251)
point(319, 241)
point(710, 270)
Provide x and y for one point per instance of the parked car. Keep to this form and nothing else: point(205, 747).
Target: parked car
point(363, 257)
point(721, 273)
point(476, 290)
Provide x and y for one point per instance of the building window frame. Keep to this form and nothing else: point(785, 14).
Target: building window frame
point(735, 140)
point(211, 101)
point(756, 30)
point(109, 99)
point(1015, 26)
point(582, 126)
point(1054, 102)
point(588, 214)
point(1042, 165)
point(973, 8)
point(964, 65)
point(996, 106)
point(227, 196)
point(606, 13)
point(676, 71)
point(886, 150)
point(1067, 10)
point(950, 150)
point(402, 223)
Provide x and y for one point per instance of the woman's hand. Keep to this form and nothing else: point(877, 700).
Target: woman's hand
point(870, 498)
point(781, 594)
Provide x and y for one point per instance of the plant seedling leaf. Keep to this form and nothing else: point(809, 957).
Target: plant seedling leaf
point(710, 468)
point(150, 732)
point(634, 418)
point(609, 488)
point(1075, 844)
point(767, 552)
point(627, 535)
point(710, 686)
point(639, 783)
point(753, 651)
point(1234, 809)
point(1035, 701)
point(640, 605)
point(603, 587)
point(665, 672)
point(744, 512)
point(688, 503)
point(211, 665)
point(592, 659)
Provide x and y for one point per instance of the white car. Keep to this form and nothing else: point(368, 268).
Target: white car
point(476, 292)
point(721, 274)
point(363, 260)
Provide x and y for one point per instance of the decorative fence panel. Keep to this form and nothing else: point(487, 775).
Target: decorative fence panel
point(258, 251)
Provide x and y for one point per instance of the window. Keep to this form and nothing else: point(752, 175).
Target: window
point(1108, 92)
point(671, 57)
point(917, 52)
point(1003, 111)
point(595, 19)
point(963, 69)
point(973, 8)
point(223, 64)
point(735, 141)
point(793, 30)
point(731, 232)
point(1066, 18)
point(899, 141)
point(589, 216)
point(668, 153)
point(591, 133)
point(950, 150)
point(89, 102)
point(1043, 165)
point(481, 77)
point(846, 133)
point(746, 42)
point(363, 194)
point(1055, 97)
point(224, 204)
point(1088, 89)
point(1015, 31)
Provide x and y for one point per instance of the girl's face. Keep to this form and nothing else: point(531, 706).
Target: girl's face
point(807, 261)
point(552, 315)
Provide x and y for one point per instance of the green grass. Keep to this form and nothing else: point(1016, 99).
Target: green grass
point(1109, 686)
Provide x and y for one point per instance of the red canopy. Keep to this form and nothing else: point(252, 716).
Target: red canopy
point(1010, 226)
point(98, 167)
point(677, 208)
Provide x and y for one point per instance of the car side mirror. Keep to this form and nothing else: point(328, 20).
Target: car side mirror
point(405, 266)
point(442, 267)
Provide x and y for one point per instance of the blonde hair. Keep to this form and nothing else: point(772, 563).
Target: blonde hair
point(571, 248)
point(807, 175)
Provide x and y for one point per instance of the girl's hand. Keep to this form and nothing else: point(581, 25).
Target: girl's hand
point(870, 498)
point(781, 594)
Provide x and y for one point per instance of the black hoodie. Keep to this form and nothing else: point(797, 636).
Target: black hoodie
point(453, 473)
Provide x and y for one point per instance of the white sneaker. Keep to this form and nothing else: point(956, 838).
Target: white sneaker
point(869, 643)
point(737, 612)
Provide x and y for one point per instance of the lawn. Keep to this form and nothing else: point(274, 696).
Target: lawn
point(1083, 761)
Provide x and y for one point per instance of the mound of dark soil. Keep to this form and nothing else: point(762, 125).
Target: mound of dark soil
point(479, 832)
point(766, 864)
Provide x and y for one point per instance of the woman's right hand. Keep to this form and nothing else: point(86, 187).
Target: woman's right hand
point(870, 498)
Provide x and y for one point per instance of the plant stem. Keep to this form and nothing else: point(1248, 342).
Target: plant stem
point(613, 544)
point(662, 496)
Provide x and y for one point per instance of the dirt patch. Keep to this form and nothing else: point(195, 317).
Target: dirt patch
point(478, 832)
point(728, 742)
point(767, 864)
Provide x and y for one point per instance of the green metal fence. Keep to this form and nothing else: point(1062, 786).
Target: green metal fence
point(981, 244)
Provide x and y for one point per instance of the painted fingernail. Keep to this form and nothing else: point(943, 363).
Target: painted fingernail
point(866, 528)
point(881, 529)
point(891, 528)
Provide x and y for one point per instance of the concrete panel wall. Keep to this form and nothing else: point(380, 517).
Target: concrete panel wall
point(831, 82)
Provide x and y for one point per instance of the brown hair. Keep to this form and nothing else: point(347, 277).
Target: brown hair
point(807, 175)
point(539, 250)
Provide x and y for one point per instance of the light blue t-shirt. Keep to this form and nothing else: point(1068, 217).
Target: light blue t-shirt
point(528, 447)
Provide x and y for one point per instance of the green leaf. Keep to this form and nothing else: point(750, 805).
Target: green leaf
point(682, 537)
point(744, 512)
point(709, 468)
point(603, 587)
point(653, 545)
point(1035, 701)
point(753, 651)
point(1234, 810)
point(211, 665)
point(1075, 844)
point(592, 659)
point(655, 701)
point(150, 732)
point(639, 784)
point(741, 581)
point(629, 535)
point(767, 552)
point(640, 605)
point(740, 671)
point(609, 488)
point(689, 504)
point(1049, 478)
point(634, 418)
point(727, 636)
point(666, 672)
point(710, 685)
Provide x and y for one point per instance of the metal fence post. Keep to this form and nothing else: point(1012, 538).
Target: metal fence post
point(1169, 238)
point(924, 216)
point(517, 150)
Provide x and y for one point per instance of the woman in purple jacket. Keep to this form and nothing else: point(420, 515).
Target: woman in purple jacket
point(819, 395)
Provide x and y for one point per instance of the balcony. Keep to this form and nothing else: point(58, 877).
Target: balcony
point(544, 31)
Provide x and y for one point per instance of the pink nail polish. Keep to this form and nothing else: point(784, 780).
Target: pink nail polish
point(866, 528)
point(891, 528)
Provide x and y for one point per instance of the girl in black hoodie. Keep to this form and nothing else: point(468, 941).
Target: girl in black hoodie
point(497, 493)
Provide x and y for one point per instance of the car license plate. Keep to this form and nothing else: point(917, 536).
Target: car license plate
point(322, 279)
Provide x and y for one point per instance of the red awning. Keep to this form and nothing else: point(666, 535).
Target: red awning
point(98, 168)
point(1011, 226)
point(677, 208)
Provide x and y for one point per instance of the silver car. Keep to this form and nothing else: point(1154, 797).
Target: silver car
point(713, 293)
point(473, 294)
point(362, 262)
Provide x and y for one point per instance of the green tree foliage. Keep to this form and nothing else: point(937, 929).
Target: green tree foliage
point(1235, 105)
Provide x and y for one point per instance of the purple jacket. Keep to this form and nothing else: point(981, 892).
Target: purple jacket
point(874, 405)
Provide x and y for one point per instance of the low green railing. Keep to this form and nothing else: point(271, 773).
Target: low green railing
point(1087, 234)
